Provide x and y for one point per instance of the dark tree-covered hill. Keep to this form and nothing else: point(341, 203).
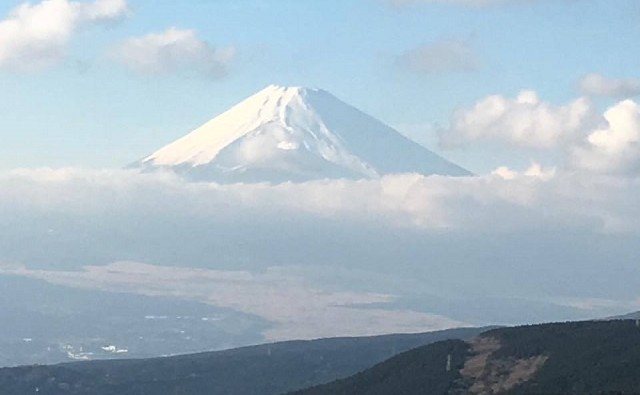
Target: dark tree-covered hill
point(594, 357)
point(259, 370)
point(419, 371)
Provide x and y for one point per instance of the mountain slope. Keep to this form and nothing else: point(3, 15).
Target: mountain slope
point(594, 357)
point(295, 134)
point(419, 371)
point(629, 316)
point(260, 370)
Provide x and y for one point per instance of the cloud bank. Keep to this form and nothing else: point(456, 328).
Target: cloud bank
point(171, 51)
point(403, 201)
point(35, 36)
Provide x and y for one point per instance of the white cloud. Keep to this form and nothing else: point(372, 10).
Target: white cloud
point(105, 10)
point(588, 141)
point(614, 148)
point(404, 201)
point(174, 50)
point(34, 36)
point(505, 172)
point(535, 170)
point(524, 121)
point(297, 310)
point(440, 57)
point(599, 85)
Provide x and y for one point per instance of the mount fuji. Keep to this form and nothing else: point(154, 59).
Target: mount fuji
point(295, 134)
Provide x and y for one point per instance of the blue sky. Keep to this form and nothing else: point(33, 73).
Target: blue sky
point(89, 86)
point(86, 109)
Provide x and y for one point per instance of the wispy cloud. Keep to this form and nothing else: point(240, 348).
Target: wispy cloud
point(440, 57)
point(470, 3)
point(599, 85)
point(174, 50)
point(35, 36)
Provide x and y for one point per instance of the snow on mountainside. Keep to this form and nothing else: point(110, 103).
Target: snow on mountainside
point(295, 134)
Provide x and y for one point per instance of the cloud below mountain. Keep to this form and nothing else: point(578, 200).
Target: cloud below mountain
point(405, 200)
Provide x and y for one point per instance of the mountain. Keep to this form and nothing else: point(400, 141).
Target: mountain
point(593, 357)
point(295, 134)
point(259, 370)
point(419, 371)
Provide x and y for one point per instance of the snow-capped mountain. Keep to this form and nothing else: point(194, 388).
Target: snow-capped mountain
point(295, 134)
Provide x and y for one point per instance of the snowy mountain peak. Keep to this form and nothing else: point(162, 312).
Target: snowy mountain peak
point(295, 134)
point(289, 90)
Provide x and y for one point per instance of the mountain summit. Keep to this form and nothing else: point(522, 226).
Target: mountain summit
point(295, 134)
